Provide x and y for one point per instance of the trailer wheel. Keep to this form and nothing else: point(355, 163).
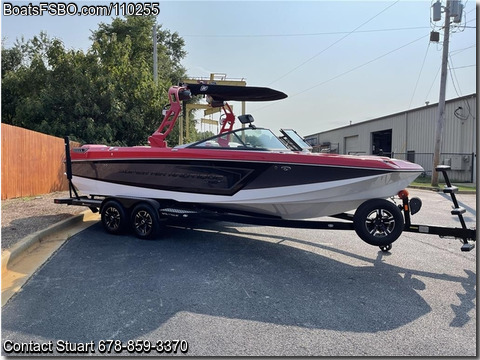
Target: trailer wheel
point(114, 217)
point(145, 221)
point(378, 222)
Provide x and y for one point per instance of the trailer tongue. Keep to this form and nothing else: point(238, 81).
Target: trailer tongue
point(467, 236)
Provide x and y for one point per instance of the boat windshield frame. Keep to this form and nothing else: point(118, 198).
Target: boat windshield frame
point(259, 139)
point(295, 141)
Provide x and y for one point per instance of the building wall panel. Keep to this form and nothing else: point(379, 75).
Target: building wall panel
point(414, 131)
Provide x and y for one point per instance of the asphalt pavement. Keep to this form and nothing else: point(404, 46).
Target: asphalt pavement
point(223, 289)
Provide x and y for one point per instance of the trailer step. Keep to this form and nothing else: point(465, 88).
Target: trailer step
point(467, 247)
point(458, 211)
point(442, 168)
point(450, 189)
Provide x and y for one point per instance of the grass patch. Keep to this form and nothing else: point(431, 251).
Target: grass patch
point(425, 182)
point(12, 202)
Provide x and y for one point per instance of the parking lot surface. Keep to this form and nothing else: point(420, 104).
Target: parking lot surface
point(230, 289)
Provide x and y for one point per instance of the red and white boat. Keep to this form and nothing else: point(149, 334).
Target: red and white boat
point(247, 175)
point(243, 170)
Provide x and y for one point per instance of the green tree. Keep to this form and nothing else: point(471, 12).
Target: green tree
point(11, 59)
point(170, 46)
point(23, 74)
point(106, 95)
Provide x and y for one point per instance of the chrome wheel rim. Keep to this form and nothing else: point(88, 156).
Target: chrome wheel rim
point(380, 222)
point(112, 218)
point(143, 222)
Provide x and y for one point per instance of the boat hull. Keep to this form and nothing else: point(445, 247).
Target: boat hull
point(286, 190)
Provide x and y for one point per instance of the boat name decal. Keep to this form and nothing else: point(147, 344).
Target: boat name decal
point(200, 176)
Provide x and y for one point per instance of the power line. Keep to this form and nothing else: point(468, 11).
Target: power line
point(360, 66)
point(470, 10)
point(336, 42)
point(351, 70)
point(463, 67)
point(467, 66)
point(458, 51)
point(433, 83)
point(419, 74)
point(453, 76)
point(302, 34)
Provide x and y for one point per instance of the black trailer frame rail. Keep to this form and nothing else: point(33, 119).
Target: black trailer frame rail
point(466, 235)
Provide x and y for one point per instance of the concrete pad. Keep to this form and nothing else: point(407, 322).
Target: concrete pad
point(20, 262)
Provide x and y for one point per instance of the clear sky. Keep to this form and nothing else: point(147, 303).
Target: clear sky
point(338, 61)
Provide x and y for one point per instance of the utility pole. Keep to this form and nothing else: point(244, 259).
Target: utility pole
point(452, 9)
point(441, 100)
point(155, 57)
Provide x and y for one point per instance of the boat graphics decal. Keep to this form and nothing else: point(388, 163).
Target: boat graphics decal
point(289, 202)
point(211, 177)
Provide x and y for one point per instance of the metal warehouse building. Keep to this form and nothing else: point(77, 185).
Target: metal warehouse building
point(410, 135)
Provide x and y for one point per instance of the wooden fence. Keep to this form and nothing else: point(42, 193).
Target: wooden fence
point(32, 163)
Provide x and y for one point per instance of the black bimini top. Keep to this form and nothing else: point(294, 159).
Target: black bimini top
point(236, 93)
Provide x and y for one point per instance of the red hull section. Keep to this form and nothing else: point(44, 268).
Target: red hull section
point(95, 152)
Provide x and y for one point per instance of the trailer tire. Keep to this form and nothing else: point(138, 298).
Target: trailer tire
point(145, 221)
point(378, 222)
point(114, 217)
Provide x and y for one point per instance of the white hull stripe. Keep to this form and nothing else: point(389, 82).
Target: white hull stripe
point(289, 202)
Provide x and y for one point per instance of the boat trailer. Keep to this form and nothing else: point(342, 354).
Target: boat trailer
point(378, 222)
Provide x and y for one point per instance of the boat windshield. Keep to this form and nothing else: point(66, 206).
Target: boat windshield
point(244, 139)
point(294, 140)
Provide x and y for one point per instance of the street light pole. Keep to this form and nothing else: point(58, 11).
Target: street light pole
point(155, 57)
